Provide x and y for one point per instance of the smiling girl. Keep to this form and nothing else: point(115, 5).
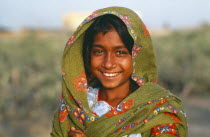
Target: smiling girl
point(109, 75)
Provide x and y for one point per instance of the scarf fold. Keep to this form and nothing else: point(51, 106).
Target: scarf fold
point(150, 110)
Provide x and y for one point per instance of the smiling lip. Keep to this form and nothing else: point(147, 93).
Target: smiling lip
point(110, 75)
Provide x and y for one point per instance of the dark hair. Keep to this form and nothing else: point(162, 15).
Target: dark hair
point(104, 24)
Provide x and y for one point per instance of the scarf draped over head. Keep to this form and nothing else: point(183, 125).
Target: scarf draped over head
point(150, 110)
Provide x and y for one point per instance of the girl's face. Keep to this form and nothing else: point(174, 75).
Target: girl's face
point(111, 62)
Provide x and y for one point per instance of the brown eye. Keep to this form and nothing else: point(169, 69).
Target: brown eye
point(121, 52)
point(97, 51)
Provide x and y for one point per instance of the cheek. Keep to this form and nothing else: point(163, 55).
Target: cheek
point(94, 63)
point(127, 65)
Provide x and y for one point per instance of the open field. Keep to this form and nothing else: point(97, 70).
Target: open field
point(30, 77)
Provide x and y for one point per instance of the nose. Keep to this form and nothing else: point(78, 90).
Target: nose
point(109, 62)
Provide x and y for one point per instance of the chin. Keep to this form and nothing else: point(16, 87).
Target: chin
point(109, 86)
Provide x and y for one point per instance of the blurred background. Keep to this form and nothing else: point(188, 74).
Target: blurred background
point(33, 35)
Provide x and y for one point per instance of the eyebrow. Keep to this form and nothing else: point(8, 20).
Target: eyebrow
point(95, 45)
point(116, 47)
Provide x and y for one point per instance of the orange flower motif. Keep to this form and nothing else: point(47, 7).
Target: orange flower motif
point(175, 111)
point(79, 103)
point(145, 120)
point(81, 121)
point(80, 115)
point(63, 73)
point(95, 14)
point(80, 82)
point(150, 102)
point(89, 18)
point(71, 40)
point(135, 50)
point(139, 81)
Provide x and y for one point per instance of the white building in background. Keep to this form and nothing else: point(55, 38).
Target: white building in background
point(73, 19)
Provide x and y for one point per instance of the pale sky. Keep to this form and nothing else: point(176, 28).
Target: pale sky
point(15, 14)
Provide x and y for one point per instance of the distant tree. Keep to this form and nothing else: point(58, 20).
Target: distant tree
point(183, 59)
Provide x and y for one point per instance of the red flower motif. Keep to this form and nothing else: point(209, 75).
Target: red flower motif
point(94, 114)
point(121, 108)
point(136, 123)
point(63, 114)
point(71, 97)
point(119, 130)
point(146, 32)
point(126, 105)
point(177, 120)
point(128, 126)
point(165, 129)
point(109, 114)
point(170, 114)
point(160, 102)
point(81, 82)
point(156, 80)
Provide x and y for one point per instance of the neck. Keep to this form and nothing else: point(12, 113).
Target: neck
point(114, 96)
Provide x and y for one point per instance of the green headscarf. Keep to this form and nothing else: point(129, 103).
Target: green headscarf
point(150, 110)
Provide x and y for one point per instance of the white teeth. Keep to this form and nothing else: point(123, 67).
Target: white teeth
point(110, 74)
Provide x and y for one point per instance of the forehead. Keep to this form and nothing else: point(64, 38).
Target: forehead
point(109, 39)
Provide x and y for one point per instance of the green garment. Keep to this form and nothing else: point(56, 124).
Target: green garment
point(150, 110)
